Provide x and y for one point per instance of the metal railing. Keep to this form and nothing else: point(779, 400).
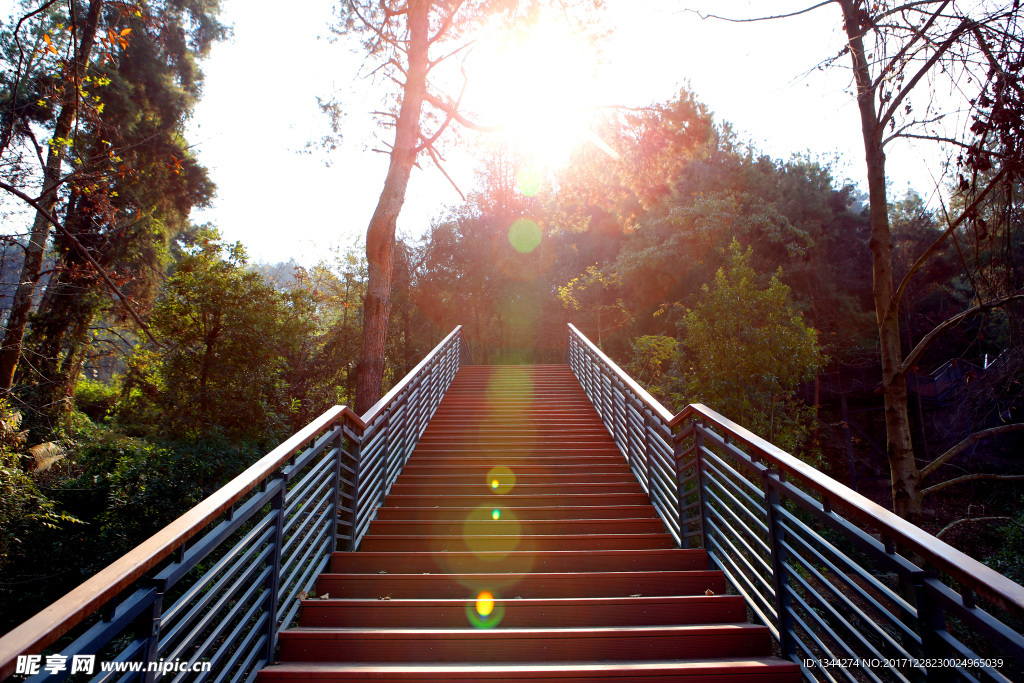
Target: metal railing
point(849, 590)
point(215, 587)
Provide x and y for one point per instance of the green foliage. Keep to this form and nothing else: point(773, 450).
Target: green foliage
point(229, 336)
point(23, 508)
point(96, 399)
point(652, 357)
point(748, 349)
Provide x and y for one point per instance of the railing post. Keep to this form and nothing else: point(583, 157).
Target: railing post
point(274, 580)
point(335, 499)
point(698, 463)
point(931, 621)
point(678, 453)
point(152, 653)
point(776, 536)
point(357, 476)
point(646, 426)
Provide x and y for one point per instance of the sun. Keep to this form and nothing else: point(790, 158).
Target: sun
point(538, 87)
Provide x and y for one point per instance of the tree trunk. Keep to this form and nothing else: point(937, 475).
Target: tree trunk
point(10, 351)
point(380, 235)
point(906, 478)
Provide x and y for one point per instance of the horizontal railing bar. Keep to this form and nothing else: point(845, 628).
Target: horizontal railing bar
point(307, 456)
point(829, 655)
point(737, 477)
point(809, 654)
point(722, 540)
point(1004, 638)
point(967, 653)
point(54, 621)
point(751, 506)
point(126, 612)
point(254, 630)
point(749, 551)
point(255, 586)
point(215, 537)
point(659, 410)
point(307, 547)
point(300, 494)
point(854, 586)
point(201, 619)
point(380, 406)
point(232, 562)
point(311, 521)
point(764, 548)
point(987, 582)
point(828, 607)
point(128, 654)
point(767, 615)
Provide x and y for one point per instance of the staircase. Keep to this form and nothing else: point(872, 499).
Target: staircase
point(516, 545)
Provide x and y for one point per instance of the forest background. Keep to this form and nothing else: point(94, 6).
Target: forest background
point(157, 361)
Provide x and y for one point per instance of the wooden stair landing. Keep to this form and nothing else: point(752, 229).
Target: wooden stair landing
point(516, 490)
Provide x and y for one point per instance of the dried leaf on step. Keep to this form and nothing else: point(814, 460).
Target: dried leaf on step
point(325, 596)
point(709, 592)
point(635, 595)
point(303, 595)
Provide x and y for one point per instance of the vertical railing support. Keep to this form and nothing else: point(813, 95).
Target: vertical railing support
point(698, 463)
point(931, 621)
point(685, 519)
point(335, 499)
point(274, 580)
point(776, 537)
point(646, 426)
point(357, 466)
point(152, 653)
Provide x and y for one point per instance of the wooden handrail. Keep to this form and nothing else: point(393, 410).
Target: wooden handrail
point(45, 627)
point(659, 410)
point(972, 574)
point(382, 405)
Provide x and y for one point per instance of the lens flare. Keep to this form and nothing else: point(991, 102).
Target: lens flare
point(485, 611)
point(524, 235)
point(496, 514)
point(501, 479)
point(485, 603)
point(529, 181)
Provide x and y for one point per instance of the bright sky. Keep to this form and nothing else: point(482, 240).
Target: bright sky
point(259, 110)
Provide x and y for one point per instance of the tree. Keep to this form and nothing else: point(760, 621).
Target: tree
point(901, 53)
point(410, 40)
point(117, 169)
point(913, 43)
point(748, 350)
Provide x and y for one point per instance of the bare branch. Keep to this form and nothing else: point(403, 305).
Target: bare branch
point(455, 114)
point(437, 163)
point(971, 477)
point(967, 443)
point(934, 246)
point(747, 21)
point(926, 341)
point(952, 525)
point(897, 100)
point(906, 48)
point(447, 23)
point(85, 253)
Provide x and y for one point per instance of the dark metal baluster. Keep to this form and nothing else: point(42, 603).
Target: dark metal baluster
point(698, 463)
point(651, 494)
point(776, 539)
point(931, 621)
point(678, 453)
point(274, 580)
point(152, 653)
point(335, 499)
point(357, 465)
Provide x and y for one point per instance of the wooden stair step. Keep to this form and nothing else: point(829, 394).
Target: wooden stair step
point(517, 499)
point(531, 585)
point(525, 613)
point(505, 543)
point(518, 562)
point(726, 670)
point(518, 645)
point(483, 525)
point(390, 512)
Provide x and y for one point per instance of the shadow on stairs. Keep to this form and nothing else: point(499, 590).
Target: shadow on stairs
point(516, 545)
